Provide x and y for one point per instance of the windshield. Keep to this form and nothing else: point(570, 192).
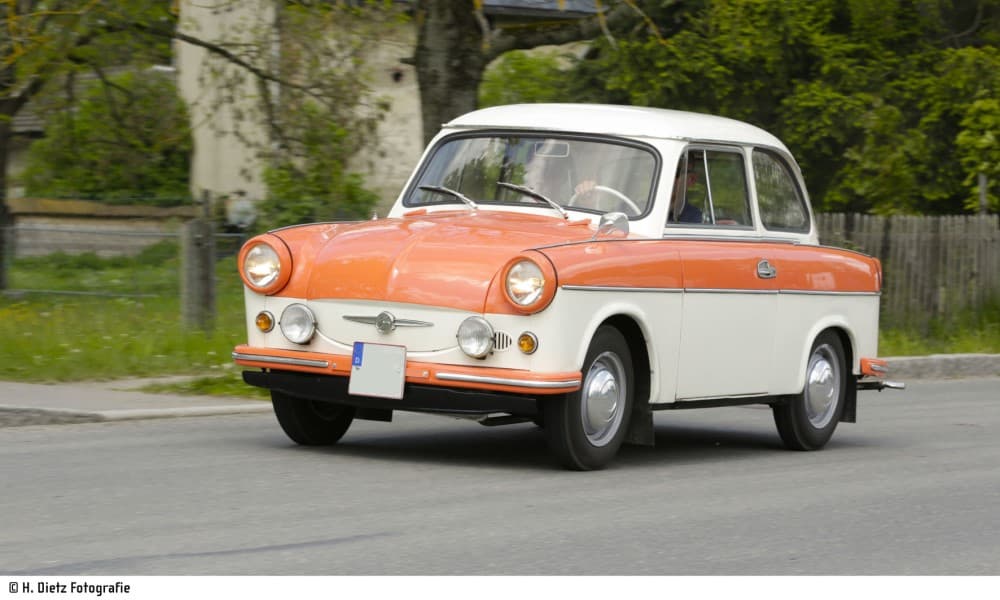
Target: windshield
point(588, 175)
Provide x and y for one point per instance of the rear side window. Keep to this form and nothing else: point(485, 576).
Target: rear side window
point(782, 206)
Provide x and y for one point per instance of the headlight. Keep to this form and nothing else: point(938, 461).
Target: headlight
point(475, 337)
point(297, 323)
point(262, 265)
point(265, 264)
point(525, 283)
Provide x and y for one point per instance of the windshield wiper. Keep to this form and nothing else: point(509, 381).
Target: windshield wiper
point(533, 194)
point(449, 192)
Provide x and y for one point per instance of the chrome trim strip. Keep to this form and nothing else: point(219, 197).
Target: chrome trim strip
point(612, 288)
point(397, 322)
point(828, 293)
point(722, 291)
point(504, 381)
point(601, 288)
point(278, 360)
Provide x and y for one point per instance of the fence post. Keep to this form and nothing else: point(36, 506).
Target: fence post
point(198, 271)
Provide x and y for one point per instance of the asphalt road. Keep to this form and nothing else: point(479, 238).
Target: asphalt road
point(913, 488)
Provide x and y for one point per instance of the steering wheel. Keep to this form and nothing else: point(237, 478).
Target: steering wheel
point(609, 191)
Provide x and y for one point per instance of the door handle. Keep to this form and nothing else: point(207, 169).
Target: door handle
point(765, 270)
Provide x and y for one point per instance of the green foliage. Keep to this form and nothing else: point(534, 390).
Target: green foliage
point(321, 125)
point(311, 183)
point(519, 76)
point(889, 106)
point(979, 150)
point(124, 140)
point(57, 337)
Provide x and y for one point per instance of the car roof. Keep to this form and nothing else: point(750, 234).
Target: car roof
point(606, 119)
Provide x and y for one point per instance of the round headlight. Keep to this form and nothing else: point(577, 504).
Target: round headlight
point(261, 266)
point(525, 283)
point(475, 337)
point(297, 323)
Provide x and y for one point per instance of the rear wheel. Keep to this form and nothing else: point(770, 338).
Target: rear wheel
point(309, 422)
point(586, 428)
point(806, 421)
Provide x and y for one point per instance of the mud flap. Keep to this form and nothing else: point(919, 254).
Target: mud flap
point(640, 427)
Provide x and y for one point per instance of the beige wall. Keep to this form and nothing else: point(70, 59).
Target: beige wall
point(387, 167)
point(223, 164)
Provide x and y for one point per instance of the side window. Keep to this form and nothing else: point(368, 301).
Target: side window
point(710, 188)
point(782, 206)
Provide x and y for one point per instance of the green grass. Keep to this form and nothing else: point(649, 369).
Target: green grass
point(957, 334)
point(53, 337)
point(226, 385)
point(56, 337)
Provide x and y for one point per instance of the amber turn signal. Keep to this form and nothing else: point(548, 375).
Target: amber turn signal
point(527, 342)
point(264, 321)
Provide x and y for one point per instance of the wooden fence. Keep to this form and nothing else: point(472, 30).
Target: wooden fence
point(934, 267)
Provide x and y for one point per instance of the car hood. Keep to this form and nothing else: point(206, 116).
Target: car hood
point(440, 259)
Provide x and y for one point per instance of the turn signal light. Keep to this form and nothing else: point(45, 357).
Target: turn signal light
point(264, 321)
point(527, 342)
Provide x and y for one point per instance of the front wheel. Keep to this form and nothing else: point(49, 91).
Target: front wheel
point(586, 428)
point(311, 423)
point(806, 421)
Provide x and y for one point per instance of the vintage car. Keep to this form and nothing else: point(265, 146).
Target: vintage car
point(578, 266)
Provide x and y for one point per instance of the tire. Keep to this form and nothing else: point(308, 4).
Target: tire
point(311, 423)
point(807, 420)
point(584, 429)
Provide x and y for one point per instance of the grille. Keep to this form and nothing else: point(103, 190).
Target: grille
point(502, 341)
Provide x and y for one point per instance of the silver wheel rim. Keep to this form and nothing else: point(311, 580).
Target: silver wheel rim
point(822, 386)
point(603, 398)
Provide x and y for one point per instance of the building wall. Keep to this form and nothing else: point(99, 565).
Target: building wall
point(224, 166)
point(400, 135)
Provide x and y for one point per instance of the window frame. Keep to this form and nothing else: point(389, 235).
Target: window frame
point(748, 198)
point(797, 186)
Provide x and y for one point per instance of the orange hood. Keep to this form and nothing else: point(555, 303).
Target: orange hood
point(446, 259)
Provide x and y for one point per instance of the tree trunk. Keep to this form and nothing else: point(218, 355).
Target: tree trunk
point(5, 220)
point(6, 131)
point(449, 61)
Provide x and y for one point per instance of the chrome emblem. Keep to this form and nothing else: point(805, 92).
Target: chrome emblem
point(385, 322)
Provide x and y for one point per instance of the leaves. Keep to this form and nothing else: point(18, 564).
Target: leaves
point(125, 139)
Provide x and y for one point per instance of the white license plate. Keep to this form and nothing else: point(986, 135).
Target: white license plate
point(377, 370)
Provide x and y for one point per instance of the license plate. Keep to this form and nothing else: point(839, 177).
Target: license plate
point(377, 370)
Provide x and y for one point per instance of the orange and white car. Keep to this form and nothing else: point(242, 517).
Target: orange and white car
point(579, 266)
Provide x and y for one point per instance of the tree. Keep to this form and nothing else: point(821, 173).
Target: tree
point(44, 42)
point(456, 42)
point(871, 97)
point(123, 139)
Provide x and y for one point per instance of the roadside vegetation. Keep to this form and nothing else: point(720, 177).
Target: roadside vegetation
point(133, 329)
point(84, 318)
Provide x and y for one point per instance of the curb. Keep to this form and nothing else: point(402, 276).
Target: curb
point(16, 416)
point(944, 366)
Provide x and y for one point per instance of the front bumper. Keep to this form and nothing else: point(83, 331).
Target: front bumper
point(416, 397)
point(514, 381)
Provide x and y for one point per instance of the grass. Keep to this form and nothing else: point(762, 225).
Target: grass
point(50, 337)
point(57, 338)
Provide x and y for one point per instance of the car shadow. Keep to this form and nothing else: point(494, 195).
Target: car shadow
point(746, 435)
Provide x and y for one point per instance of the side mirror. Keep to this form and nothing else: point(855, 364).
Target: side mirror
point(612, 221)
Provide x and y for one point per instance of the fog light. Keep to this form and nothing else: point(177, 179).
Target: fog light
point(527, 342)
point(475, 337)
point(298, 323)
point(264, 321)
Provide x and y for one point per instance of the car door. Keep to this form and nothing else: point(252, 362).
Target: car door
point(730, 294)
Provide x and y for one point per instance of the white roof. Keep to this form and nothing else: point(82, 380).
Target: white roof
point(628, 121)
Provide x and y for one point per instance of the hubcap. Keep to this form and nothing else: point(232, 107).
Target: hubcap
point(822, 386)
point(603, 398)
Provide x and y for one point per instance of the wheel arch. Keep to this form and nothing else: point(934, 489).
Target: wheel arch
point(640, 430)
point(848, 344)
